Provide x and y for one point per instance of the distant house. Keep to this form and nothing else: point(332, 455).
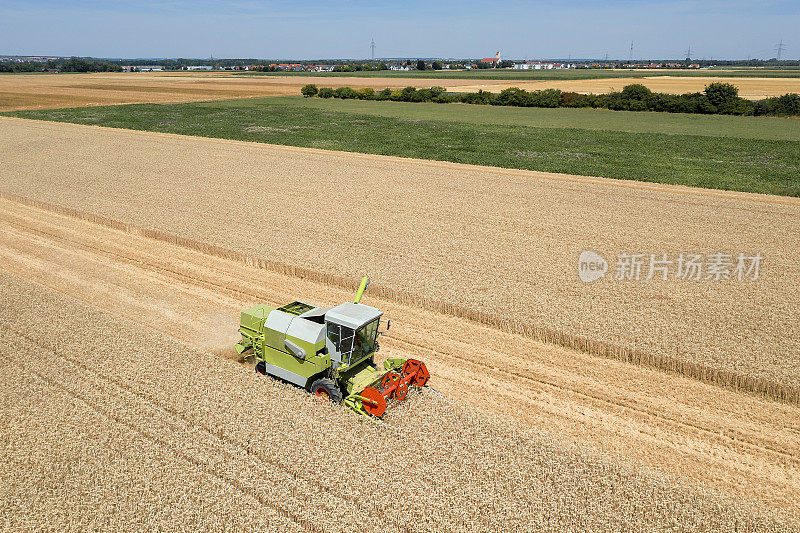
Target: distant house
point(200, 67)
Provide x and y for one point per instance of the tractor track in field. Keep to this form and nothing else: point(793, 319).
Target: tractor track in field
point(182, 421)
point(186, 270)
point(735, 439)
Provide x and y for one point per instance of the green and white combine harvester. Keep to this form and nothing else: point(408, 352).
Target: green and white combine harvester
point(329, 351)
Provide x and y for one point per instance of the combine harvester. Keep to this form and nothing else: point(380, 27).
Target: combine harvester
point(329, 351)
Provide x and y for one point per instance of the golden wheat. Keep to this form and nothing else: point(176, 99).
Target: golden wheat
point(332, 217)
point(112, 425)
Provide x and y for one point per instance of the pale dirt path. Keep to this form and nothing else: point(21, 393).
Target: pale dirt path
point(738, 444)
point(501, 242)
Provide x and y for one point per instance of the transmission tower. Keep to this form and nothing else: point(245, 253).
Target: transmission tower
point(372, 47)
point(630, 57)
point(779, 49)
point(689, 52)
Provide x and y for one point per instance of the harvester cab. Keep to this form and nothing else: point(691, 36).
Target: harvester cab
point(329, 351)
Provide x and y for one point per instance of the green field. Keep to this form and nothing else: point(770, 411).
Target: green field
point(528, 75)
point(753, 154)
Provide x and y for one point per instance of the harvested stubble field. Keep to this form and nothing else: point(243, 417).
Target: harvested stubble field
point(45, 91)
point(48, 91)
point(516, 268)
point(649, 420)
point(124, 428)
point(751, 88)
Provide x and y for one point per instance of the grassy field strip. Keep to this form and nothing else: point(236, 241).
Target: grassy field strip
point(559, 118)
point(732, 160)
point(476, 481)
point(652, 418)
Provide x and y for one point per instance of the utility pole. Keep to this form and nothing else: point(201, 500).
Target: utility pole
point(372, 47)
point(779, 49)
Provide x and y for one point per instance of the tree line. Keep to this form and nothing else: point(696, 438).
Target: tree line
point(717, 98)
point(73, 64)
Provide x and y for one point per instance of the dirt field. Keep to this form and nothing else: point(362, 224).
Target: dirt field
point(505, 453)
point(40, 91)
point(516, 268)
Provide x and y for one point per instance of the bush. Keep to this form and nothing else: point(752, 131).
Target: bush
point(480, 98)
point(309, 90)
point(512, 96)
point(721, 93)
point(571, 99)
point(346, 93)
point(446, 98)
point(545, 98)
point(786, 105)
point(383, 95)
point(718, 98)
point(367, 93)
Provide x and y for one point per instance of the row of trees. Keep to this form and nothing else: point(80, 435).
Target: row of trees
point(718, 98)
point(73, 64)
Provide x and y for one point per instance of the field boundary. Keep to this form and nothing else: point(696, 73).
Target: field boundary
point(704, 373)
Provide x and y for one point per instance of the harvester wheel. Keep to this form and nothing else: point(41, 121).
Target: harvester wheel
point(261, 368)
point(326, 389)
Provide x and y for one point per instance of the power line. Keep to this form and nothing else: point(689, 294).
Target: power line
point(779, 49)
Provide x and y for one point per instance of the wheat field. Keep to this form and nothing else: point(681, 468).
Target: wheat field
point(747, 446)
point(131, 429)
point(497, 246)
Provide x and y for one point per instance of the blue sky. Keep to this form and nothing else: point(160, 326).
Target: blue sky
point(413, 28)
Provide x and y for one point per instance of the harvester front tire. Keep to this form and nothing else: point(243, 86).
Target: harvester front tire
point(325, 387)
point(261, 368)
